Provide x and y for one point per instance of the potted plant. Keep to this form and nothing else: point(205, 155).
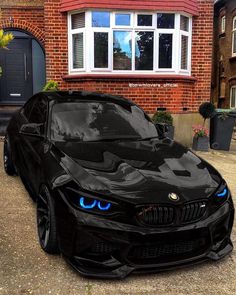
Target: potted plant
point(51, 86)
point(164, 120)
point(200, 138)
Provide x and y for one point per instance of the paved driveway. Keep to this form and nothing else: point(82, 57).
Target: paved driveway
point(26, 269)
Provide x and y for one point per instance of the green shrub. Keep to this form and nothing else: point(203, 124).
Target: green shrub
point(51, 86)
point(163, 117)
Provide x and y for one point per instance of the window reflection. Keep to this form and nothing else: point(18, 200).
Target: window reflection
point(165, 20)
point(165, 51)
point(144, 50)
point(122, 19)
point(101, 19)
point(144, 20)
point(100, 50)
point(122, 50)
point(87, 121)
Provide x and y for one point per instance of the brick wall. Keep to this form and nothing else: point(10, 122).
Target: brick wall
point(188, 93)
point(24, 14)
point(202, 52)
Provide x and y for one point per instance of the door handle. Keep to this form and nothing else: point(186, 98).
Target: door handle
point(25, 66)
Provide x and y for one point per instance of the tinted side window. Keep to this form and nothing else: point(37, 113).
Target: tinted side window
point(39, 111)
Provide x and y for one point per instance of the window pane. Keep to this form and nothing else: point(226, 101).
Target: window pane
point(223, 24)
point(184, 52)
point(184, 23)
point(234, 24)
point(233, 97)
point(78, 46)
point(144, 50)
point(165, 51)
point(122, 19)
point(234, 42)
point(101, 19)
point(144, 20)
point(100, 50)
point(78, 21)
point(165, 20)
point(122, 50)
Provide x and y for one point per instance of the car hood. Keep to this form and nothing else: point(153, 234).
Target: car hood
point(138, 171)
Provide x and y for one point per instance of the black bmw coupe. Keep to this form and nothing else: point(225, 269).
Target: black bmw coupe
point(113, 194)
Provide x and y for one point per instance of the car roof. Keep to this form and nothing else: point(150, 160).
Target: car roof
point(66, 96)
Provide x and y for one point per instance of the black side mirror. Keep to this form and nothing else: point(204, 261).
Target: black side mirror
point(162, 129)
point(32, 129)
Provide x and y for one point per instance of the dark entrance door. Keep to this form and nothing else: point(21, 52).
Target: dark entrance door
point(16, 80)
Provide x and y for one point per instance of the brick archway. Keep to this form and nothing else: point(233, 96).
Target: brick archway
point(23, 25)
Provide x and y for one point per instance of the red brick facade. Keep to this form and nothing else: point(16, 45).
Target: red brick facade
point(175, 93)
point(25, 17)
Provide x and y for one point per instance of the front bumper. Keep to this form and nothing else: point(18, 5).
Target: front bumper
point(97, 247)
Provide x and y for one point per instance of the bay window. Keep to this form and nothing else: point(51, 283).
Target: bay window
point(128, 42)
point(233, 97)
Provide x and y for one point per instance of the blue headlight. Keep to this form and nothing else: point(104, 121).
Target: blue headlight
point(104, 208)
point(89, 203)
point(223, 193)
point(87, 206)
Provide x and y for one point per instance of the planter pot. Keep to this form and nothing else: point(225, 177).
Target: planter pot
point(201, 143)
point(221, 130)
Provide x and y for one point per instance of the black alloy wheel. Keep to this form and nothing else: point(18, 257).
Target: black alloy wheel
point(46, 222)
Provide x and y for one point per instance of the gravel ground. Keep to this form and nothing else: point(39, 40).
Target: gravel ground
point(26, 269)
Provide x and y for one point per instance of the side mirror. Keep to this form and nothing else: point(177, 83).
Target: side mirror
point(32, 129)
point(162, 129)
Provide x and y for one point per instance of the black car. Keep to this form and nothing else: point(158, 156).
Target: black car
point(115, 196)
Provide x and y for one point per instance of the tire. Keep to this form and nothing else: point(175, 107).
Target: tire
point(7, 159)
point(46, 222)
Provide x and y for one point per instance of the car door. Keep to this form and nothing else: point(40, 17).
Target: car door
point(31, 146)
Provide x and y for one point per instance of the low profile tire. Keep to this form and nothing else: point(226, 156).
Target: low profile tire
point(46, 222)
point(7, 160)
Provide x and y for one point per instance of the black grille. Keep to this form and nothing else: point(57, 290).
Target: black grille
point(103, 247)
point(169, 251)
point(156, 215)
point(193, 211)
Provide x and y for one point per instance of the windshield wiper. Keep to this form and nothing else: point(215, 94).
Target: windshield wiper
point(122, 138)
point(147, 138)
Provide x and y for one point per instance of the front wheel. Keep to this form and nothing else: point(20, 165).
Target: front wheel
point(46, 222)
point(7, 159)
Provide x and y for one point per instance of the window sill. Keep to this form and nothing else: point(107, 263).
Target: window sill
point(232, 59)
point(86, 77)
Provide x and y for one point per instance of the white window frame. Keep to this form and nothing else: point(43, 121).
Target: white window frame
point(223, 23)
point(231, 92)
point(189, 35)
point(233, 36)
point(88, 39)
point(70, 45)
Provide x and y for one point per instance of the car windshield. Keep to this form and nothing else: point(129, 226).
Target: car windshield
point(98, 121)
